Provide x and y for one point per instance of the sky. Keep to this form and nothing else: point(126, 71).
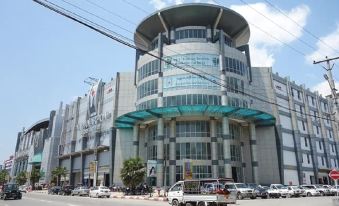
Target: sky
point(45, 58)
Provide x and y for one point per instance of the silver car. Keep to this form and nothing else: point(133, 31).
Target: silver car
point(81, 191)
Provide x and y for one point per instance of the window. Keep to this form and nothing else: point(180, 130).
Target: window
point(148, 104)
point(317, 129)
point(299, 95)
point(312, 98)
point(308, 158)
point(303, 124)
point(190, 33)
point(278, 87)
point(201, 171)
point(147, 88)
point(178, 173)
point(149, 69)
point(306, 142)
point(188, 81)
point(235, 153)
point(332, 147)
point(194, 150)
point(320, 143)
point(193, 129)
point(235, 66)
point(322, 161)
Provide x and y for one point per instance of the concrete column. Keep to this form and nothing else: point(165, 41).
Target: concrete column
point(227, 147)
point(135, 140)
point(214, 148)
point(172, 35)
point(160, 153)
point(71, 181)
point(254, 154)
point(222, 68)
point(172, 158)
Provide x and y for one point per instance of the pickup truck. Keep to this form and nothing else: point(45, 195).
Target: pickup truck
point(201, 192)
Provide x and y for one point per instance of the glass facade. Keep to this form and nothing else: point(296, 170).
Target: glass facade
point(235, 85)
point(236, 102)
point(192, 99)
point(188, 81)
point(235, 66)
point(149, 69)
point(196, 60)
point(201, 171)
point(193, 129)
point(193, 150)
point(149, 104)
point(147, 88)
point(190, 33)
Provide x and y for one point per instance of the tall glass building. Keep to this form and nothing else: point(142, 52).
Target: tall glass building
point(190, 126)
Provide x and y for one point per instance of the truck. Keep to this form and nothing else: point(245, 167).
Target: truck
point(201, 192)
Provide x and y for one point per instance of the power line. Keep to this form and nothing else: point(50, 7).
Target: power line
point(303, 28)
point(108, 33)
point(263, 15)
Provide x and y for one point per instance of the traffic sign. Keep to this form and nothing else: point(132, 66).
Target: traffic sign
point(334, 174)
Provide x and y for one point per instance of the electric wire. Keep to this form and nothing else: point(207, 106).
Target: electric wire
point(107, 32)
point(303, 28)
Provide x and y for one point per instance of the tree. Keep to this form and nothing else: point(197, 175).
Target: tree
point(3, 175)
point(21, 178)
point(35, 176)
point(58, 172)
point(132, 172)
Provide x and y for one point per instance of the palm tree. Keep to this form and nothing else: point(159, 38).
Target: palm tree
point(35, 176)
point(21, 178)
point(58, 172)
point(132, 172)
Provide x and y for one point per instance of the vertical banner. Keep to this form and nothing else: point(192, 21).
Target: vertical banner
point(188, 169)
point(151, 168)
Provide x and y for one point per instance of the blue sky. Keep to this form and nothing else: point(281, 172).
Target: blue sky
point(44, 57)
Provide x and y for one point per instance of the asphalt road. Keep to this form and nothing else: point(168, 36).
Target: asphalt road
point(37, 199)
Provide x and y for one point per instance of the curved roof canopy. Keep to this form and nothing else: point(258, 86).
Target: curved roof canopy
point(41, 124)
point(194, 14)
point(130, 119)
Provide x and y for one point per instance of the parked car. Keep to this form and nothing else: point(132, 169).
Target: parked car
point(261, 192)
point(23, 189)
point(303, 191)
point(282, 189)
point(294, 191)
point(310, 190)
point(10, 191)
point(81, 191)
point(330, 191)
point(242, 190)
point(100, 191)
point(323, 191)
point(272, 193)
point(54, 190)
point(66, 190)
point(335, 190)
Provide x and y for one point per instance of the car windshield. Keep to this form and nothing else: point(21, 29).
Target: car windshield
point(241, 185)
point(103, 188)
point(230, 186)
point(309, 187)
point(11, 187)
point(318, 186)
point(294, 187)
point(280, 186)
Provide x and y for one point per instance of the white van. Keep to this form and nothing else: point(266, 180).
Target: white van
point(201, 192)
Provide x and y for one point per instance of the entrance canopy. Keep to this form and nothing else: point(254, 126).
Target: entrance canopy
point(258, 117)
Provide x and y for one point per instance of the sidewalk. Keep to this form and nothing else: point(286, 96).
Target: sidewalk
point(155, 197)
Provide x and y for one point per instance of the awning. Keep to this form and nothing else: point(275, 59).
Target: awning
point(246, 114)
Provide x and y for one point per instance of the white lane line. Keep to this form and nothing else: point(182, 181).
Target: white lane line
point(71, 204)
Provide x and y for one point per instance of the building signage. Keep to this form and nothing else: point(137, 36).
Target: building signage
point(188, 169)
point(93, 99)
point(93, 121)
point(92, 167)
point(151, 168)
point(188, 82)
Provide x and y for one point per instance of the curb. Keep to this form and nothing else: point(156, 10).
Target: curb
point(164, 199)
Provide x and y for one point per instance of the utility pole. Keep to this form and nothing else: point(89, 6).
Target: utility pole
point(330, 81)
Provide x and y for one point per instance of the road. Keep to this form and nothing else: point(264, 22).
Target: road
point(37, 199)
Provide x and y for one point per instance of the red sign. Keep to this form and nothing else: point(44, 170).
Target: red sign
point(334, 174)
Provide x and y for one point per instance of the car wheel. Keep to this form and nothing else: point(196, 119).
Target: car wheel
point(175, 203)
point(4, 197)
point(97, 195)
point(201, 204)
point(239, 196)
point(309, 194)
point(322, 193)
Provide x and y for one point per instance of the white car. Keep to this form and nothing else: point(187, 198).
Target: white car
point(310, 190)
point(282, 189)
point(242, 190)
point(335, 190)
point(294, 191)
point(100, 191)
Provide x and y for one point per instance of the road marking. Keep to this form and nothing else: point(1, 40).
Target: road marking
point(72, 205)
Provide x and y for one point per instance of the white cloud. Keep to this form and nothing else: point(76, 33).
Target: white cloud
point(331, 41)
point(324, 88)
point(263, 45)
point(158, 4)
